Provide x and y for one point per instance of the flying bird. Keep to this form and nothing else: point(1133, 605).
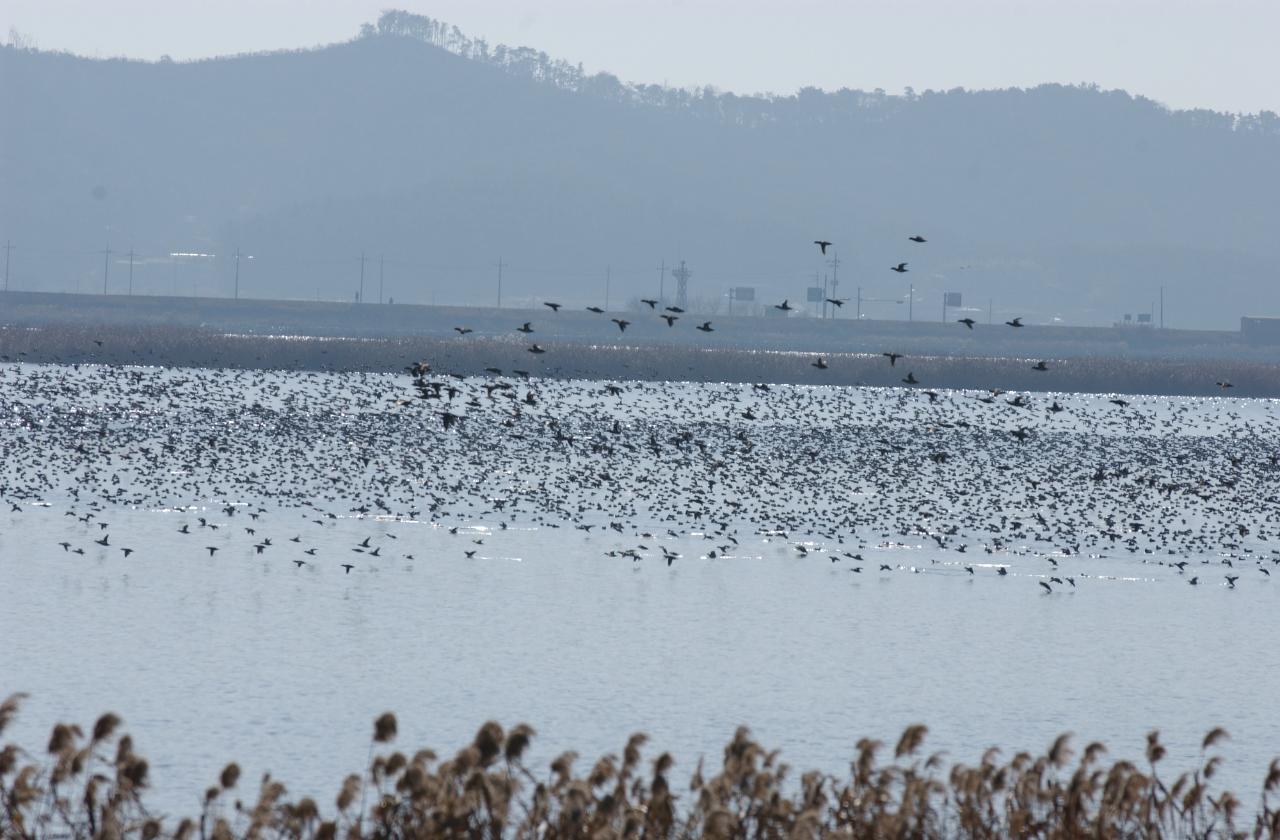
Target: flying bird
point(917, 238)
point(968, 322)
point(705, 326)
point(901, 268)
point(1016, 322)
point(555, 307)
point(821, 243)
point(784, 306)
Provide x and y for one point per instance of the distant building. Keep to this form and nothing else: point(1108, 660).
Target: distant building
point(1260, 330)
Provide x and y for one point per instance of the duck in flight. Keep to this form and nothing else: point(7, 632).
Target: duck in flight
point(1016, 322)
point(705, 326)
point(822, 243)
point(835, 301)
point(968, 322)
point(595, 309)
point(893, 358)
point(526, 329)
point(555, 307)
point(652, 303)
point(670, 319)
point(622, 324)
point(917, 238)
point(901, 268)
point(784, 306)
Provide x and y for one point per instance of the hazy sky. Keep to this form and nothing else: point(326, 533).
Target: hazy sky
point(1219, 54)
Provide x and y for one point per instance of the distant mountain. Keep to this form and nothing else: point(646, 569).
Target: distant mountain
point(443, 155)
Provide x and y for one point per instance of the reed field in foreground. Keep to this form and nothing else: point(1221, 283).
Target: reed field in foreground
point(94, 785)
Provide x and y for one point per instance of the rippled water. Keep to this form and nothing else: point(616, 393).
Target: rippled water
point(245, 655)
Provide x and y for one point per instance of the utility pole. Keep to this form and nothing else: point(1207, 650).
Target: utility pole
point(106, 266)
point(360, 295)
point(682, 275)
point(607, 280)
point(8, 246)
point(130, 272)
point(381, 265)
point(911, 302)
point(237, 291)
point(499, 282)
point(835, 283)
point(662, 279)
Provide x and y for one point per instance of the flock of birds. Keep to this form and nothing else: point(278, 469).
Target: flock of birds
point(883, 481)
point(671, 314)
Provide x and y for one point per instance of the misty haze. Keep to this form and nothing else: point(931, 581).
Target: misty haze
point(393, 430)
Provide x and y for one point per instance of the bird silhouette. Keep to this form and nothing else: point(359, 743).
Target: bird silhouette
point(554, 307)
point(595, 309)
point(918, 238)
point(968, 322)
point(1016, 322)
point(820, 363)
point(525, 328)
point(901, 268)
point(652, 303)
point(784, 306)
point(705, 326)
point(892, 357)
point(822, 243)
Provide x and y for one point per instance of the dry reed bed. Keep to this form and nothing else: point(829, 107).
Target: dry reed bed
point(184, 347)
point(93, 786)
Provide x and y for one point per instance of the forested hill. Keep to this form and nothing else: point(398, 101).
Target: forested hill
point(441, 155)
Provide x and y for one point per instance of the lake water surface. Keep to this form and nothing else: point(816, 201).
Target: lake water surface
point(764, 500)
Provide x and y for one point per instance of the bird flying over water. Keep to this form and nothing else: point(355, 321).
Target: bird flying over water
point(968, 322)
point(821, 243)
point(555, 307)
